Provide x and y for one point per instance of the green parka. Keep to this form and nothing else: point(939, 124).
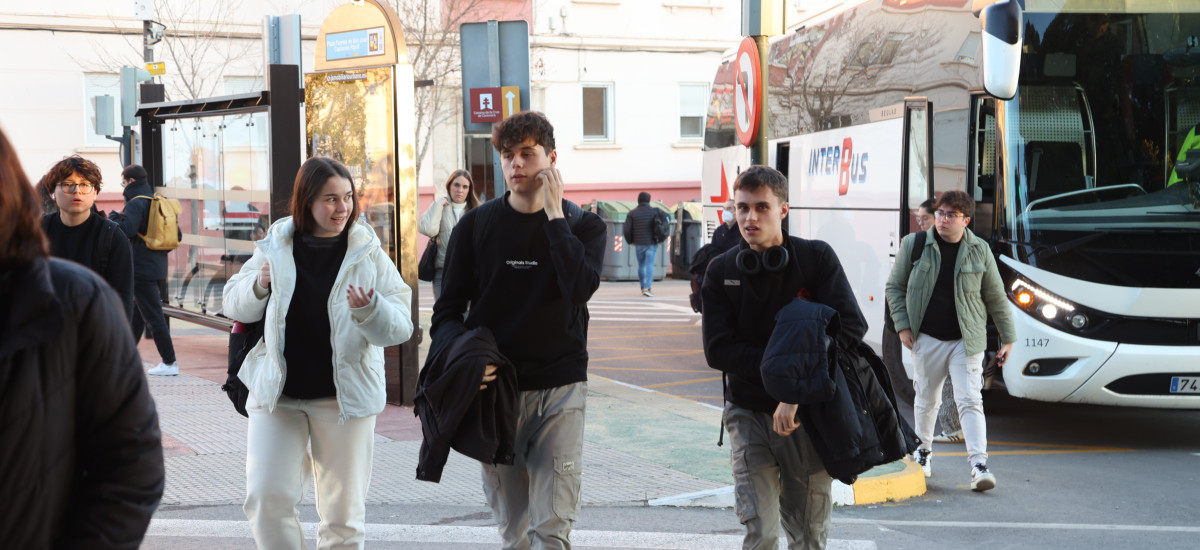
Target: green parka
point(978, 290)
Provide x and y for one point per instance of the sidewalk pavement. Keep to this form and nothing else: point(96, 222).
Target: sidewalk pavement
point(642, 447)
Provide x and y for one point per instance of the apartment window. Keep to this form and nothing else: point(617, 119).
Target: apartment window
point(95, 84)
point(692, 106)
point(597, 112)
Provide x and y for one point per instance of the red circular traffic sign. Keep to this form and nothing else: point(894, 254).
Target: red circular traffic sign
point(747, 76)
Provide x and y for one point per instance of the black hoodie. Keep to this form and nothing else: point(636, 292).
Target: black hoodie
point(528, 279)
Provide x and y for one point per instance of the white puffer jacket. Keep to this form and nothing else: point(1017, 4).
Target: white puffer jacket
point(357, 337)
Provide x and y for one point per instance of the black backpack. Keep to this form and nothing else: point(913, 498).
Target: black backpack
point(918, 248)
point(242, 339)
point(660, 226)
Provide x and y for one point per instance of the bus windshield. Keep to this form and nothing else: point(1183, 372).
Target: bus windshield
point(1108, 105)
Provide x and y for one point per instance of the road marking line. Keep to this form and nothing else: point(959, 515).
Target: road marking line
point(648, 355)
point(590, 348)
point(631, 319)
point(628, 385)
point(592, 329)
point(1054, 446)
point(590, 338)
point(462, 534)
point(1047, 449)
point(635, 369)
point(683, 382)
point(1046, 452)
point(1020, 525)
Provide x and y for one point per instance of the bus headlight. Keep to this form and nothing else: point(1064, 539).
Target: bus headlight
point(1051, 308)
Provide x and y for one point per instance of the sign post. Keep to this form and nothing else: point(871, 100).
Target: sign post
point(495, 66)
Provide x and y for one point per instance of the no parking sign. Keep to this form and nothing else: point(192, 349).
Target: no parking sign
point(746, 82)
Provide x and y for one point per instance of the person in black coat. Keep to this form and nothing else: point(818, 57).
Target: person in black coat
point(78, 232)
point(80, 450)
point(639, 232)
point(149, 269)
point(726, 235)
point(778, 475)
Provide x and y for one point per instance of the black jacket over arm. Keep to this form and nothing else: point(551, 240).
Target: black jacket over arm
point(455, 413)
point(847, 405)
point(80, 449)
point(740, 309)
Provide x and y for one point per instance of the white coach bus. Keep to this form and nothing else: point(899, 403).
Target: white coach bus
point(874, 107)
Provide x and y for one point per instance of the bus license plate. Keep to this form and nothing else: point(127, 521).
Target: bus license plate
point(1185, 384)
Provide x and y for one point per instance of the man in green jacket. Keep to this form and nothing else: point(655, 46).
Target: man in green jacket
point(940, 309)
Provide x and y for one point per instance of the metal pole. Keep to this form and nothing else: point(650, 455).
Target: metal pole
point(147, 51)
point(493, 28)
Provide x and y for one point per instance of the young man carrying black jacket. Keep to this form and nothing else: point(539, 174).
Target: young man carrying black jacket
point(777, 472)
point(528, 276)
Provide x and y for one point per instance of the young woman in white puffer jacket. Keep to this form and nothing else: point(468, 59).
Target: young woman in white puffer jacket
point(317, 377)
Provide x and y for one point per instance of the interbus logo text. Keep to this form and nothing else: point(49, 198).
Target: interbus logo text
point(840, 161)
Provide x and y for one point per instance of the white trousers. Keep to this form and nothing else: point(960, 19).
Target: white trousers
point(933, 360)
point(303, 438)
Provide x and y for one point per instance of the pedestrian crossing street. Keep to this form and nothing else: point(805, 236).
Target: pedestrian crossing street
point(674, 310)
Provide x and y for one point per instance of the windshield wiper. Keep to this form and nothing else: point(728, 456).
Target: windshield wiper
point(1056, 249)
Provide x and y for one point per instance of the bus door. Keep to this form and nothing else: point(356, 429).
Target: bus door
point(982, 183)
point(917, 175)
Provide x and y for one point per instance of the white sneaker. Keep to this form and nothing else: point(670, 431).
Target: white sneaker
point(164, 369)
point(982, 479)
point(949, 437)
point(647, 293)
point(924, 457)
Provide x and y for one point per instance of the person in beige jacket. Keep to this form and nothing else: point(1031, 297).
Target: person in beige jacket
point(332, 301)
point(439, 219)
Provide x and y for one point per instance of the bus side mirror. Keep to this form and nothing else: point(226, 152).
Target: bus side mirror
point(1002, 38)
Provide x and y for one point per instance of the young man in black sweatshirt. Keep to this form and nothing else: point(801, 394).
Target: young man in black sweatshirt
point(527, 275)
point(777, 472)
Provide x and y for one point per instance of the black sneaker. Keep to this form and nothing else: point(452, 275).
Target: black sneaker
point(982, 479)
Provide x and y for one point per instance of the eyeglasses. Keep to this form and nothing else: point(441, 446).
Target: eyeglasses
point(82, 188)
point(950, 215)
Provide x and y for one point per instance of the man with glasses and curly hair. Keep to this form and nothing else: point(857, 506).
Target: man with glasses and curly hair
point(940, 306)
point(79, 233)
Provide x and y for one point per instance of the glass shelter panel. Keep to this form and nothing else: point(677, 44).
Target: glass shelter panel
point(217, 167)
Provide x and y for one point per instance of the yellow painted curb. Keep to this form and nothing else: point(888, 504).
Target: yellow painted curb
point(896, 486)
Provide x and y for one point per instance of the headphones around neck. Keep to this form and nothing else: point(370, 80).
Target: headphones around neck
point(773, 260)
